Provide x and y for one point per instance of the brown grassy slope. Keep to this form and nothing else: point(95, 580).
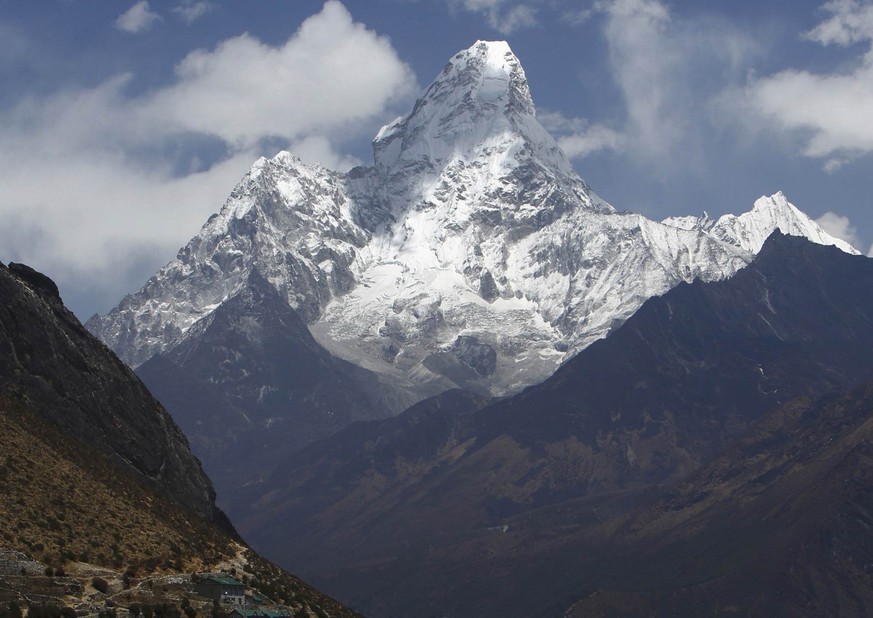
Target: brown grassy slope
point(64, 502)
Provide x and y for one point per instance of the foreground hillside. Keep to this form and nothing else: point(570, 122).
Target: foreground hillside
point(66, 376)
point(84, 523)
point(77, 516)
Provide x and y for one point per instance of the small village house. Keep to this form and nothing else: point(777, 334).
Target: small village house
point(259, 613)
point(225, 590)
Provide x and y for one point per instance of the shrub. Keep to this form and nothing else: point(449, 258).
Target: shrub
point(43, 611)
point(11, 610)
point(100, 585)
point(167, 610)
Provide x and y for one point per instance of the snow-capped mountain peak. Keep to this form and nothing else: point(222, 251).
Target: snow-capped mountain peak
point(477, 119)
point(470, 254)
point(478, 95)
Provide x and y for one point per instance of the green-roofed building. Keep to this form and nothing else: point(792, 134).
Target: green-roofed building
point(259, 613)
point(222, 589)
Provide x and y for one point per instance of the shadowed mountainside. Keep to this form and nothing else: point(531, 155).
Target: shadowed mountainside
point(67, 376)
point(96, 477)
point(478, 505)
point(250, 380)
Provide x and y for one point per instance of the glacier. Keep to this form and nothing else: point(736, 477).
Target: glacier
point(470, 254)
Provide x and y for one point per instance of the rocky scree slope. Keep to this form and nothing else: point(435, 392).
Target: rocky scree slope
point(469, 255)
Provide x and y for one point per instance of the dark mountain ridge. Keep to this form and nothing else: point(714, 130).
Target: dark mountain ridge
point(99, 484)
point(481, 505)
point(67, 376)
point(250, 379)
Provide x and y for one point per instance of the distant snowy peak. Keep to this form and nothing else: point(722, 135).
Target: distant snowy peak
point(749, 230)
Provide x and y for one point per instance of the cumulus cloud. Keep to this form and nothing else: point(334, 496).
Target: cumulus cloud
point(332, 72)
point(839, 227)
point(102, 184)
point(138, 18)
point(504, 16)
point(190, 11)
point(828, 112)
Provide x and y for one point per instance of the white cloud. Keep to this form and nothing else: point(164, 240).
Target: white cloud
point(830, 113)
point(671, 75)
point(138, 18)
point(644, 63)
point(840, 227)
point(577, 137)
point(330, 73)
point(504, 16)
point(190, 11)
point(318, 150)
point(593, 139)
point(850, 22)
point(870, 252)
point(95, 180)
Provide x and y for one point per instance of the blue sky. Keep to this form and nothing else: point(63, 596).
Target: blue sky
point(124, 125)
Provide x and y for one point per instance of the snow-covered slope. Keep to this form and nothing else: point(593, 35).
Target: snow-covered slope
point(749, 230)
point(470, 254)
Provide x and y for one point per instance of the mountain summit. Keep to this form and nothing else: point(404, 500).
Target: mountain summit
point(469, 255)
point(477, 112)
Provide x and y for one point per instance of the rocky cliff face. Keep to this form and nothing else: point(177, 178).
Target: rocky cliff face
point(470, 227)
point(50, 363)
